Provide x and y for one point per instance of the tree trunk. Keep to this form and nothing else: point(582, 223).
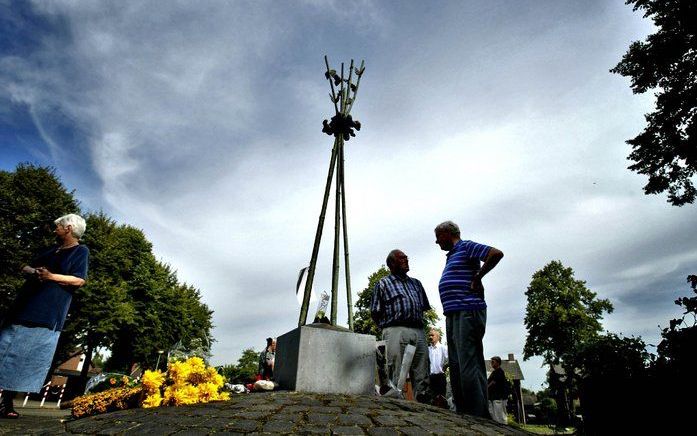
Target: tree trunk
point(84, 373)
point(559, 392)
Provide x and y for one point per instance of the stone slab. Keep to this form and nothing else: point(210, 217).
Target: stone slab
point(324, 359)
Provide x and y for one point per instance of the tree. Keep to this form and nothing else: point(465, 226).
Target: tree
point(167, 313)
point(677, 350)
point(132, 304)
point(612, 370)
point(362, 321)
point(31, 198)
point(613, 357)
point(103, 307)
point(245, 370)
point(666, 150)
point(561, 314)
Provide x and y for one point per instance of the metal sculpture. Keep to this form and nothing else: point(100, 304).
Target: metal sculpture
point(341, 126)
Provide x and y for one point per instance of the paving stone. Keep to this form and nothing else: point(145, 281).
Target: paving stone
point(85, 425)
point(264, 408)
point(322, 419)
point(292, 417)
point(340, 403)
point(380, 411)
point(120, 414)
point(350, 419)
point(314, 430)
point(278, 427)
point(297, 408)
point(177, 421)
point(347, 430)
point(361, 411)
point(244, 425)
point(118, 427)
point(488, 431)
point(228, 433)
point(413, 431)
point(326, 409)
point(217, 422)
point(152, 428)
point(388, 420)
point(311, 402)
point(382, 431)
point(193, 432)
point(276, 413)
point(439, 430)
point(246, 414)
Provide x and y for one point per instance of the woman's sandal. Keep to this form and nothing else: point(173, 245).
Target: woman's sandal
point(8, 414)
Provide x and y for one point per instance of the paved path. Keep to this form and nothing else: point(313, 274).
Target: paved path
point(272, 413)
point(35, 420)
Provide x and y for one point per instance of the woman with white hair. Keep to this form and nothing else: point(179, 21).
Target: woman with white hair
point(29, 334)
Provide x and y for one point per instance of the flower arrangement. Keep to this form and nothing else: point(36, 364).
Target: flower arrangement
point(106, 401)
point(185, 382)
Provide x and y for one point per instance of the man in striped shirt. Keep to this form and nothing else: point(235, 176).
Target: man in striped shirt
point(397, 307)
point(462, 295)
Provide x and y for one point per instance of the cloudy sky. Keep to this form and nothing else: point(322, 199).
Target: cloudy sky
point(200, 122)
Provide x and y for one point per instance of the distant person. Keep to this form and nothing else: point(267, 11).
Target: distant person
point(438, 358)
point(397, 307)
point(498, 392)
point(267, 358)
point(462, 295)
point(30, 332)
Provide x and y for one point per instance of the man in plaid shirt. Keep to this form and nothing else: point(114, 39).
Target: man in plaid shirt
point(397, 307)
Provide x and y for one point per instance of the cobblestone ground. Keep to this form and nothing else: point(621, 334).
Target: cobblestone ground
point(276, 413)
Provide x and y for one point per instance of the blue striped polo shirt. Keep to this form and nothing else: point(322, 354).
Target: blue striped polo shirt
point(455, 286)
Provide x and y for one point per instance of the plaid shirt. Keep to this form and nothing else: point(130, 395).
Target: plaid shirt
point(399, 301)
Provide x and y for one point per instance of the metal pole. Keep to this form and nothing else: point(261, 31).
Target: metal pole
point(337, 216)
point(331, 85)
point(43, 400)
point(60, 397)
point(318, 237)
point(347, 270)
point(522, 403)
point(337, 224)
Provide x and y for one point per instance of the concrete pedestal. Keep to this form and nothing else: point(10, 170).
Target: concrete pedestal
point(325, 359)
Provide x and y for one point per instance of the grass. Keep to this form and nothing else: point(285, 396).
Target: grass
point(541, 428)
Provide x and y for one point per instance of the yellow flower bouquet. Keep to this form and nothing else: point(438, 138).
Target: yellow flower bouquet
point(185, 382)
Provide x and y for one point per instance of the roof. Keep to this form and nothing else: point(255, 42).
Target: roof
point(510, 367)
point(73, 373)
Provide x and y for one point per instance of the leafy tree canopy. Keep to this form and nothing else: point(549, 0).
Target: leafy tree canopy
point(612, 357)
point(31, 198)
point(677, 350)
point(363, 323)
point(245, 370)
point(666, 150)
point(561, 313)
point(132, 303)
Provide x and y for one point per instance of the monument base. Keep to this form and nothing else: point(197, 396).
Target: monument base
point(325, 359)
